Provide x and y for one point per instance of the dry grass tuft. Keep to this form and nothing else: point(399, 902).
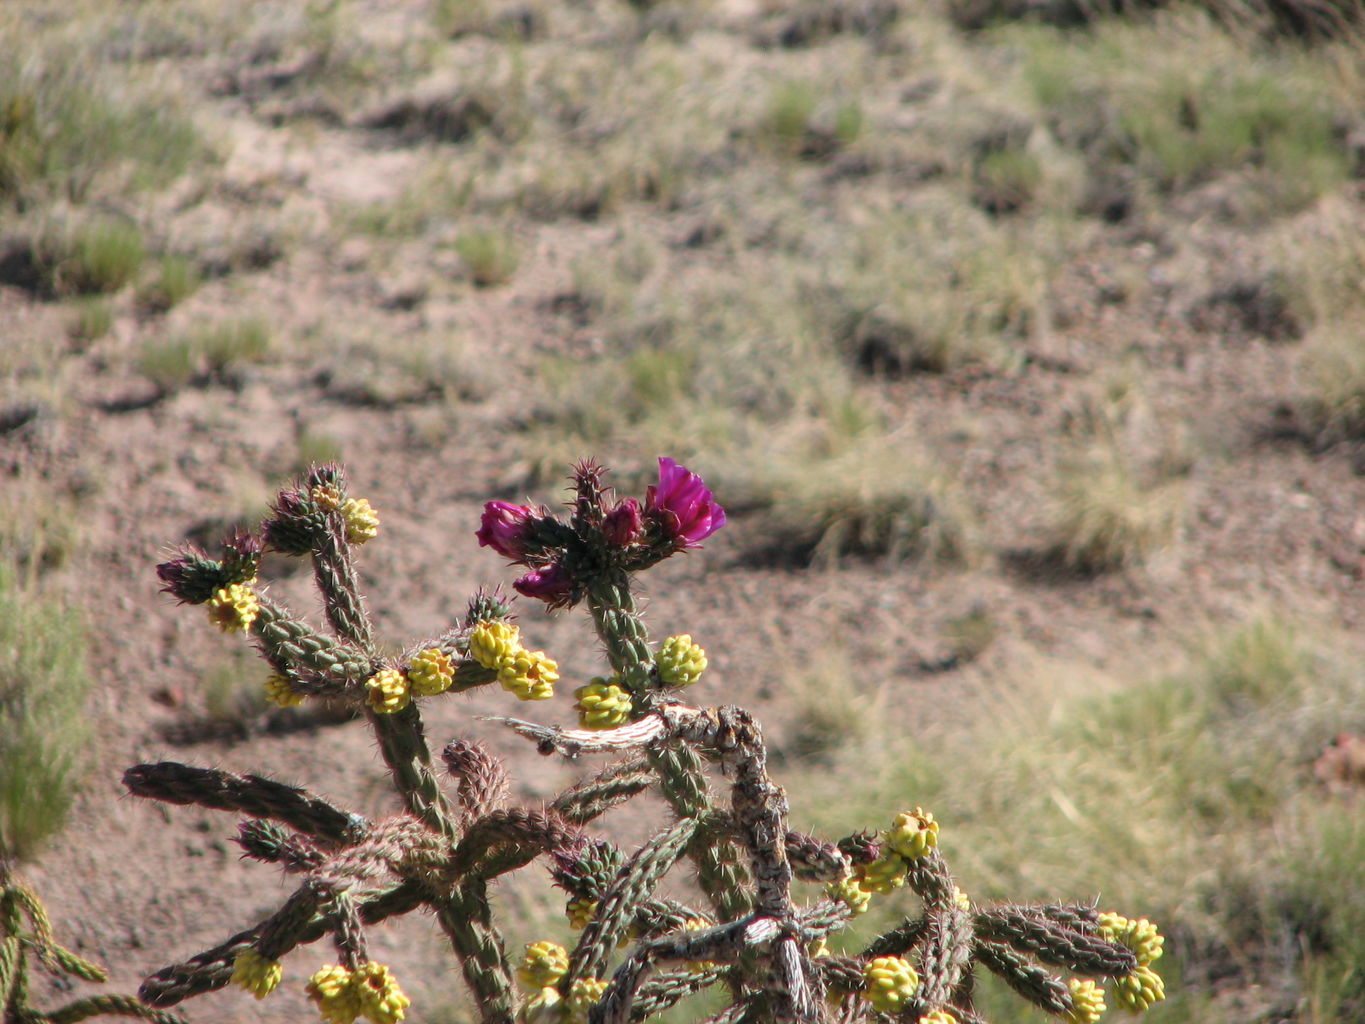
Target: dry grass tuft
point(878, 499)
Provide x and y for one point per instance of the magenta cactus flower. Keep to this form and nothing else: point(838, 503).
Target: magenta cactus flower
point(623, 525)
point(551, 584)
point(504, 529)
point(683, 505)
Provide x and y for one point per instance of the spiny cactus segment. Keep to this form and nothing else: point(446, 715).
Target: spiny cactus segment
point(750, 933)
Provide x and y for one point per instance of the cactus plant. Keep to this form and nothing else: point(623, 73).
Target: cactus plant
point(747, 933)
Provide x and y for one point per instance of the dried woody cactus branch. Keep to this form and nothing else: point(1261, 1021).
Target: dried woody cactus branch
point(766, 950)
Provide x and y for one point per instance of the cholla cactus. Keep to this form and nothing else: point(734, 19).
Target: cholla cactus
point(636, 953)
point(26, 935)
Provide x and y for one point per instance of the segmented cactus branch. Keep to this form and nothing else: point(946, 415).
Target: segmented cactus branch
point(175, 783)
point(466, 918)
point(212, 969)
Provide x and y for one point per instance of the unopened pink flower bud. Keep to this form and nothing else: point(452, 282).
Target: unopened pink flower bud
point(624, 524)
point(552, 584)
point(504, 529)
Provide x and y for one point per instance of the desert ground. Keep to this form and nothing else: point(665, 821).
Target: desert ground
point(1021, 342)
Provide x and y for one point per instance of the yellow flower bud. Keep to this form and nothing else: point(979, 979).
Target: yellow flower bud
point(912, 835)
point(326, 497)
point(381, 1000)
point(331, 991)
point(1087, 1001)
point(602, 704)
point(530, 675)
point(542, 965)
point(430, 672)
point(255, 973)
point(387, 691)
point(1141, 936)
point(579, 912)
point(493, 643)
point(583, 993)
point(938, 1017)
point(362, 521)
point(1139, 990)
point(280, 693)
point(891, 983)
point(544, 1008)
point(848, 891)
point(680, 662)
point(233, 608)
point(884, 874)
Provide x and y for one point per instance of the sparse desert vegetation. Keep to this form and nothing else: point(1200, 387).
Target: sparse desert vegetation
point(1022, 342)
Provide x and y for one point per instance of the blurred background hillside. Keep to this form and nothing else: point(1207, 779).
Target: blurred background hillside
point(1023, 339)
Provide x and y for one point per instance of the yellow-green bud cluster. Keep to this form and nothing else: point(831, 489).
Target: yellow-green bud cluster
point(233, 608)
point(579, 912)
point(381, 1000)
point(431, 672)
point(331, 991)
point(1141, 936)
point(543, 1008)
point(912, 834)
point(387, 691)
point(542, 965)
point(1087, 1001)
point(961, 899)
point(362, 521)
point(602, 704)
point(891, 983)
point(528, 674)
point(938, 1017)
point(583, 993)
point(847, 891)
point(1139, 990)
point(255, 973)
point(280, 693)
point(492, 643)
point(884, 874)
point(371, 992)
point(326, 496)
point(680, 662)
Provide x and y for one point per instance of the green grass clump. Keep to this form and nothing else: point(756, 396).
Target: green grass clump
point(1110, 514)
point(1006, 180)
point(65, 130)
point(1182, 101)
point(941, 287)
point(873, 500)
point(1332, 381)
point(96, 259)
point(490, 256)
point(91, 320)
point(43, 683)
point(1119, 494)
point(177, 278)
point(798, 125)
point(205, 353)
